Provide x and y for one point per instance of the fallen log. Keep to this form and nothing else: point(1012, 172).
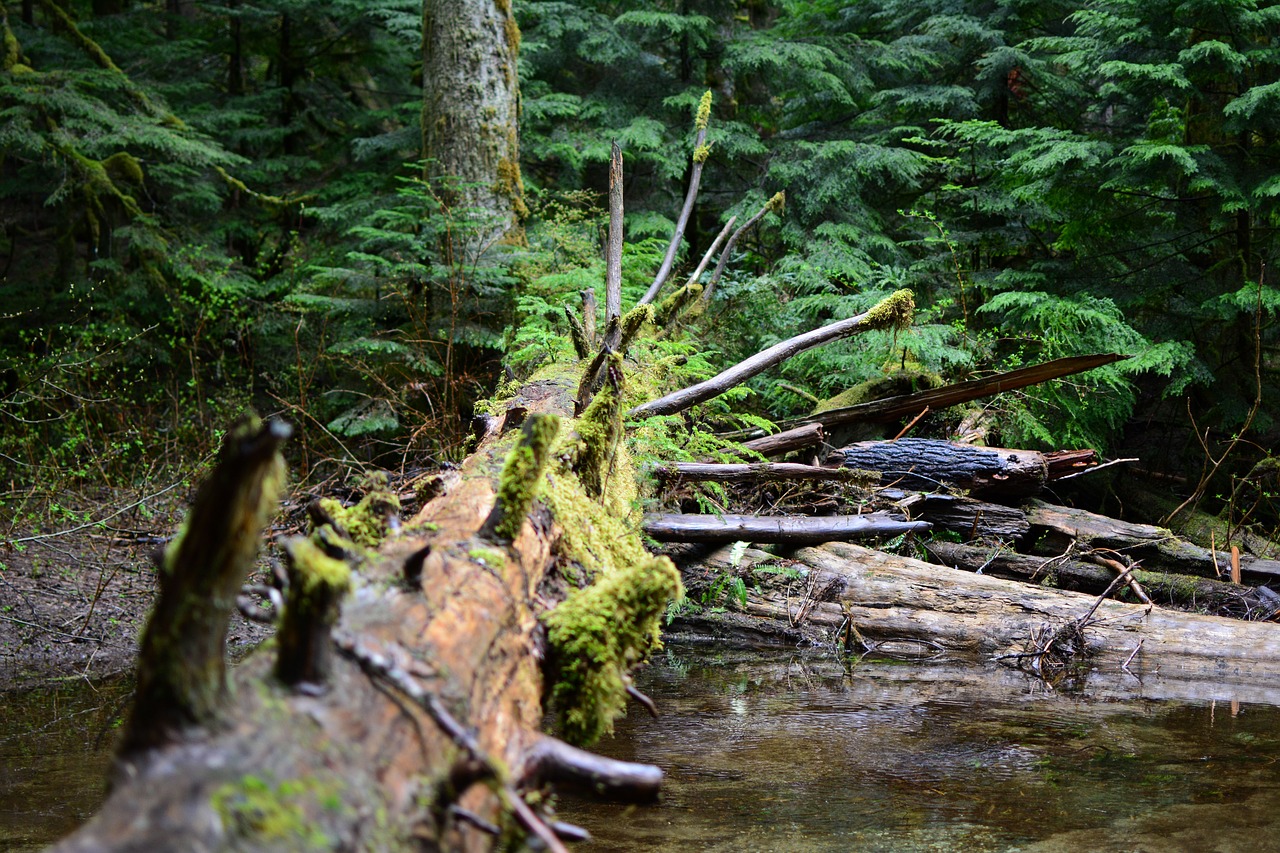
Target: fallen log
point(1186, 592)
point(1055, 528)
point(752, 472)
point(787, 440)
point(789, 530)
point(870, 601)
point(416, 720)
point(904, 405)
point(970, 518)
point(927, 464)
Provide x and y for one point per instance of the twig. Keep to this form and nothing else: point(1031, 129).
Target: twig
point(644, 700)
point(1098, 468)
point(1132, 655)
point(906, 429)
point(87, 524)
point(776, 203)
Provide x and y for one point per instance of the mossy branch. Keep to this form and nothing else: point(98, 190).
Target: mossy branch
point(317, 583)
point(895, 311)
point(181, 668)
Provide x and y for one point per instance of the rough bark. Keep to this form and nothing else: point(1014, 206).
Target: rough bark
point(787, 440)
point(1058, 527)
point(790, 530)
point(754, 472)
point(427, 727)
point(470, 109)
point(971, 519)
point(885, 604)
point(922, 463)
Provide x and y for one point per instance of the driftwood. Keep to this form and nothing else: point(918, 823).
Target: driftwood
point(921, 463)
point(1057, 527)
point(871, 601)
point(791, 530)
point(1202, 595)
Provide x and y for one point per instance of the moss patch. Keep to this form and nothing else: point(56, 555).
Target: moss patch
point(895, 311)
point(368, 522)
point(254, 808)
point(598, 634)
point(521, 477)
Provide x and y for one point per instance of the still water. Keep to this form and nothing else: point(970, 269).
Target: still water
point(812, 753)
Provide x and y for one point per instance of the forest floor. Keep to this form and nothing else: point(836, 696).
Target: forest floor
point(74, 596)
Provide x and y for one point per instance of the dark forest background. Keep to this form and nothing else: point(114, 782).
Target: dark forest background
point(207, 206)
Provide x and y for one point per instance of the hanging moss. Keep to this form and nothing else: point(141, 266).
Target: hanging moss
point(895, 311)
point(598, 634)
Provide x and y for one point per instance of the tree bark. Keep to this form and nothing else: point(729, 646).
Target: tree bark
point(470, 110)
point(427, 728)
point(922, 463)
point(786, 441)
point(885, 604)
point(790, 530)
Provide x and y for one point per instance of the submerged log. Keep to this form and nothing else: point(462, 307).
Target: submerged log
point(791, 530)
point(865, 600)
point(1186, 592)
point(922, 463)
point(1057, 527)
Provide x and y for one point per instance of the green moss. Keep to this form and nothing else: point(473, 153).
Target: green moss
point(673, 304)
point(906, 380)
point(704, 111)
point(895, 311)
point(599, 433)
point(633, 322)
point(368, 522)
point(491, 557)
point(598, 634)
point(777, 203)
point(701, 153)
point(253, 808)
point(521, 477)
point(315, 569)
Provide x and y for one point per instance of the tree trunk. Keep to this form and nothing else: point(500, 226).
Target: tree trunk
point(470, 110)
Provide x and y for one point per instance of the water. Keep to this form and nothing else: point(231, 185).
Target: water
point(808, 754)
point(811, 753)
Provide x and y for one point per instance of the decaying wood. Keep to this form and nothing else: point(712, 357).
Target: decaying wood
point(895, 311)
point(970, 518)
point(427, 719)
point(922, 463)
point(855, 596)
point(1057, 527)
point(905, 405)
point(750, 472)
point(779, 443)
point(790, 530)
point(1201, 595)
point(613, 252)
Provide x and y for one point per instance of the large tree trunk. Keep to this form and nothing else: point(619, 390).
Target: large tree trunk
point(471, 108)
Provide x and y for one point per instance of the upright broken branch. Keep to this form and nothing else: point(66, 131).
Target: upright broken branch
point(775, 204)
point(181, 670)
point(700, 152)
point(613, 252)
point(895, 311)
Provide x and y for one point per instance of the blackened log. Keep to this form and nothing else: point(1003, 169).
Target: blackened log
point(972, 519)
point(922, 463)
point(790, 530)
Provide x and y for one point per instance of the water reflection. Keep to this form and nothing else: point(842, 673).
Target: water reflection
point(807, 754)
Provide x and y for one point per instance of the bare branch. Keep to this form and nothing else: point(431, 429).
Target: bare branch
point(613, 254)
point(775, 204)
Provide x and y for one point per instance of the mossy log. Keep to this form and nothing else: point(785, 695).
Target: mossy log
point(842, 595)
point(1185, 592)
point(416, 723)
point(1055, 528)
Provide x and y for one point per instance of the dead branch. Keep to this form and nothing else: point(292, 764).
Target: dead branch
point(791, 530)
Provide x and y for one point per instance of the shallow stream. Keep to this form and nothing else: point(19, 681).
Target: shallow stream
point(811, 753)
